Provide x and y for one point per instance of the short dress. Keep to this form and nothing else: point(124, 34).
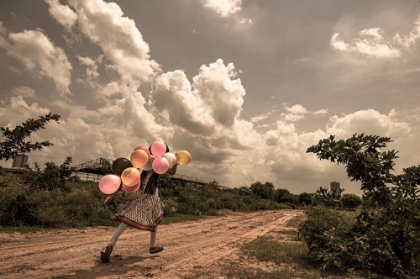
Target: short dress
point(144, 210)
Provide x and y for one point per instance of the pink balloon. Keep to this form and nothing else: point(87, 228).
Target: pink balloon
point(109, 183)
point(149, 163)
point(143, 148)
point(158, 148)
point(131, 189)
point(160, 165)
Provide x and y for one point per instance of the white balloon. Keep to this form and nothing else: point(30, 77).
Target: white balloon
point(171, 158)
point(149, 163)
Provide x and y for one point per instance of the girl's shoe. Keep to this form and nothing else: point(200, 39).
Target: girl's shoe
point(105, 255)
point(155, 249)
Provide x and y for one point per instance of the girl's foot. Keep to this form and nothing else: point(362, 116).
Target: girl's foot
point(105, 255)
point(155, 249)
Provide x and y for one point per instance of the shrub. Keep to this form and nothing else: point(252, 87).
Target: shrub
point(386, 235)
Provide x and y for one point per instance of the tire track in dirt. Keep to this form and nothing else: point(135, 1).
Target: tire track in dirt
point(189, 246)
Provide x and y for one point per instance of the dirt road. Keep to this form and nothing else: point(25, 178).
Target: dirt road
point(189, 246)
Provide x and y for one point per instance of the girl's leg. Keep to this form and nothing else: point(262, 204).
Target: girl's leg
point(153, 238)
point(153, 248)
point(108, 249)
point(117, 234)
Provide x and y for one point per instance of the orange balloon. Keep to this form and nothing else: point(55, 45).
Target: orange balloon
point(139, 158)
point(130, 176)
point(183, 157)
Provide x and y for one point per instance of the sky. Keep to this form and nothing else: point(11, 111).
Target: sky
point(244, 86)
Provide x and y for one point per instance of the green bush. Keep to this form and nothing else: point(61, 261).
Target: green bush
point(386, 235)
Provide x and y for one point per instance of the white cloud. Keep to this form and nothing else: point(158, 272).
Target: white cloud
point(411, 39)
point(370, 122)
point(24, 91)
point(321, 112)
point(372, 43)
point(120, 40)
point(224, 8)
point(228, 9)
point(62, 13)
point(261, 117)
point(34, 49)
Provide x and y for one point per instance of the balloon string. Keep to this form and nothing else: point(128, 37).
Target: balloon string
point(107, 198)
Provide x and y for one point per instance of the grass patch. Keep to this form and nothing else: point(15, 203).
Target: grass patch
point(295, 222)
point(181, 218)
point(266, 249)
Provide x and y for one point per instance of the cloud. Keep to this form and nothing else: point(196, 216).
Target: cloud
point(62, 13)
point(34, 49)
point(228, 9)
point(3, 31)
point(224, 8)
point(370, 122)
point(261, 117)
point(321, 112)
point(412, 38)
point(122, 43)
point(372, 43)
point(24, 91)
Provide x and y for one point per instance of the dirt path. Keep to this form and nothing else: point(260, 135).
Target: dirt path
point(189, 247)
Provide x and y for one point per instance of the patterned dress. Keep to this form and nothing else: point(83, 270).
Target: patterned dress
point(144, 210)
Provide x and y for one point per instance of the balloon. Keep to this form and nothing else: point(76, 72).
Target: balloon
point(183, 157)
point(109, 184)
point(160, 165)
point(158, 148)
point(139, 158)
point(141, 147)
point(130, 176)
point(120, 164)
point(171, 158)
point(149, 163)
point(131, 189)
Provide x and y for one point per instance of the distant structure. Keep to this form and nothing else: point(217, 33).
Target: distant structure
point(92, 170)
point(18, 164)
point(335, 189)
point(20, 161)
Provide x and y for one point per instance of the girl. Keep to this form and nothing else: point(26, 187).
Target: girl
point(143, 212)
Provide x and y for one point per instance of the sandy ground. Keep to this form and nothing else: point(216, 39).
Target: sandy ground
point(190, 247)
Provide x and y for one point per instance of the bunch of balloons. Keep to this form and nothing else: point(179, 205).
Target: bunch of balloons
point(127, 172)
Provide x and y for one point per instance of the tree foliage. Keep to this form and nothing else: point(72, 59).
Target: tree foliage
point(16, 143)
point(386, 235)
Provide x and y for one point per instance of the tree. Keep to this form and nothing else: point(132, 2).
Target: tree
point(305, 198)
point(350, 201)
point(15, 143)
point(386, 235)
point(264, 191)
point(51, 178)
point(327, 198)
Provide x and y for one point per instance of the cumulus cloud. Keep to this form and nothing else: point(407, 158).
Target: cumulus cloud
point(224, 8)
point(371, 42)
point(369, 122)
point(228, 8)
point(34, 49)
point(62, 13)
point(122, 43)
point(214, 99)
